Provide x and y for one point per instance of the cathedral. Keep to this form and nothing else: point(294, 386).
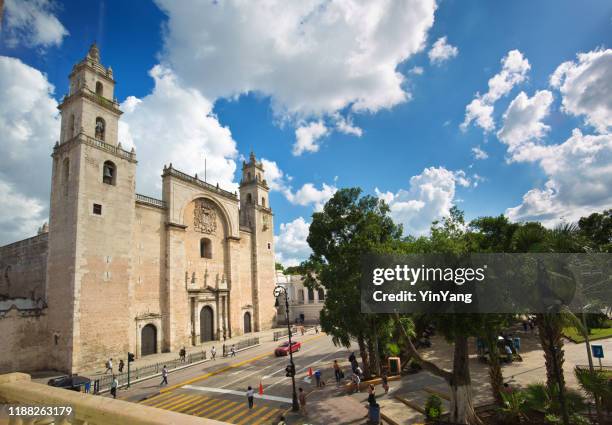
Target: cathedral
point(123, 272)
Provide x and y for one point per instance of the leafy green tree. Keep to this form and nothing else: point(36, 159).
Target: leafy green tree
point(597, 229)
point(349, 226)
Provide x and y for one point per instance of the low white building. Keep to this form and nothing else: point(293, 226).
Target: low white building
point(304, 304)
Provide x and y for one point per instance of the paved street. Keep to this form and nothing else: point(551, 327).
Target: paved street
point(216, 389)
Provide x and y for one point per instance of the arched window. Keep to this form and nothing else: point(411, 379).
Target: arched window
point(263, 201)
point(71, 127)
point(99, 89)
point(109, 173)
point(310, 295)
point(205, 248)
point(249, 198)
point(300, 296)
point(321, 294)
point(100, 128)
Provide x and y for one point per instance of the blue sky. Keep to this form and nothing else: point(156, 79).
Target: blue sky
point(262, 74)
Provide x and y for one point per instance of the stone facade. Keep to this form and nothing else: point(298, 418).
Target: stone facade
point(128, 273)
point(305, 304)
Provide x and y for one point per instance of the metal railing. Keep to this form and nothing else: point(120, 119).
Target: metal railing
point(150, 201)
point(103, 382)
point(227, 348)
point(279, 334)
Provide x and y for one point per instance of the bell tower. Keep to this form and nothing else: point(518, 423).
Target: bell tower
point(91, 220)
point(255, 213)
point(90, 107)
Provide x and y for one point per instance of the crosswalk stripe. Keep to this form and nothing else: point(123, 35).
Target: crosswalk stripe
point(220, 411)
point(238, 416)
point(193, 399)
point(267, 416)
point(177, 399)
point(157, 403)
point(228, 412)
point(207, 401)
point(194, 404)
point(203, 412)
point(252, 414)
point(157, 398)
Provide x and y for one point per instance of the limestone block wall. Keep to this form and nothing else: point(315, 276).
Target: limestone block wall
point(23, 341)
point(23, 268)
point(266, 274)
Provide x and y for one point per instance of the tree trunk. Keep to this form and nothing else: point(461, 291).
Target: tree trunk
point(496, 377)
point(549, 330)
point(462, 407)
point(374, 351)
point(363, 352)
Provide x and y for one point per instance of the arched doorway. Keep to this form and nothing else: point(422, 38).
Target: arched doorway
point(148, 340)
point(206, 324)
point(247, 323)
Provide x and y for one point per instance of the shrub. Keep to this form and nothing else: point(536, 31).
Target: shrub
point(433, 407)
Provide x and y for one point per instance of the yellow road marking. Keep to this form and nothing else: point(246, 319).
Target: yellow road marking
point(181, 405)
point(174, 397)
point(226, 368)
point(167, 404)
point(252, 414)
point(229, 412)
point(210, 407)
point(155, 398)
point(194, 404)
point(208, 402)
point(266, 416)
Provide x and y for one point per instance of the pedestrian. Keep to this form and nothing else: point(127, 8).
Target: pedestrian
point(164, 376)
point(317, 375)
point(371, 395)
point(121, 365)
point(385, 382)
point(114, 386)
point(109, 366)
point(88, 387)
point(531, 324)
point(359, 372)
point(182, 354)
point(213, 352)
point(250, 395)
point(337, 372)
point(302, 400)
point(316, 329)
point(356, 381)
point(233, 351)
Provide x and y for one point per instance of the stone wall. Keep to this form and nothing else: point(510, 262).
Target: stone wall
point(25, 333)
point(23, 268)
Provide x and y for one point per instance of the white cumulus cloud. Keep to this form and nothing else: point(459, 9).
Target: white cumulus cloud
point(32, 23)
point(429, 197)
point(478, 153)
point(586, 87)
point(308, 137)
point(290, 246)
point(523, 120)
point(579, 173)
point(480, 110)
point(29, 126)
point(176, 124)
point(441, 51)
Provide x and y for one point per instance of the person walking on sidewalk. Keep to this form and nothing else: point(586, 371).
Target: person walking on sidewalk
point(250, 395)
point(114, 385)
point(337, 372)
point(213, 352)
point(164, 376)
point(385, 382)
point(233, 351)
point(109, 366)
point(121, 365)
point(182, 354)
point(317, 375)
point(302, 400)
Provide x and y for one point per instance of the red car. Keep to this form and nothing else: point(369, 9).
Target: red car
point(283, 349)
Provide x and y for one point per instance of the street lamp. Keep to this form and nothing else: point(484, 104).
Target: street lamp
point(281, 290)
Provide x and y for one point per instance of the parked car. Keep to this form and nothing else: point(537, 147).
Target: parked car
point(283, 349)
point(74, 382)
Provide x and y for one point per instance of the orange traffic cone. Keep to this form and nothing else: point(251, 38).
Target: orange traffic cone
point(260, 388)
point(309, 371)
